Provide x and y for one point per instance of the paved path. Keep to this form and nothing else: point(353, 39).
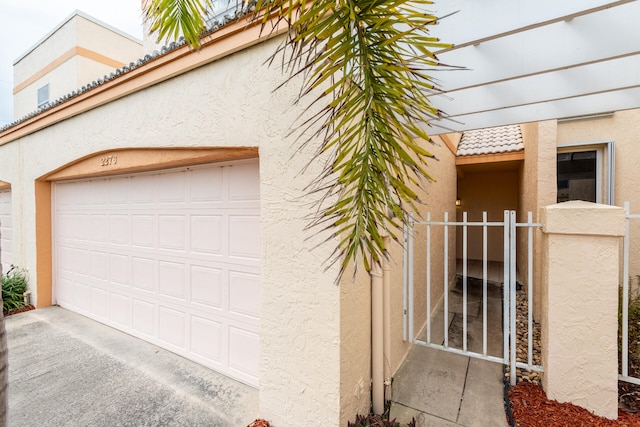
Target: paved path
point(441, 389)
point(67, 370)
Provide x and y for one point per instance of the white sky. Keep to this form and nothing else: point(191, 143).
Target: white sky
point(24, 22)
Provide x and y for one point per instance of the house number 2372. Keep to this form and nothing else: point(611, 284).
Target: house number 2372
point(108, 161)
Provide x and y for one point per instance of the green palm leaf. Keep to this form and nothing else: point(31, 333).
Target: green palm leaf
point(366, 64)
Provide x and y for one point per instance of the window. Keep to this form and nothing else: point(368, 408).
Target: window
point(43, 95)
point(221, 8)
point(585, 172)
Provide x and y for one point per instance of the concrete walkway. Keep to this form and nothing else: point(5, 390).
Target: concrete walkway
point(67, 370)
point(441, 389)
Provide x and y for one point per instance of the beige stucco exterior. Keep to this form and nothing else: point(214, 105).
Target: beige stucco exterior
point(78, 51)
point(315, 336)
point(300, 366)
point(580, 299)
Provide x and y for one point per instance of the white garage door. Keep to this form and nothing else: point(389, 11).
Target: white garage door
point(172, 257)
point(5, 230)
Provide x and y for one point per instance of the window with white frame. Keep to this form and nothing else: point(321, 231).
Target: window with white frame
point(43, 95)
point(585, 171)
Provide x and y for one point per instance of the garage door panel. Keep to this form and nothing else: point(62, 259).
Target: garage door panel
point(171, 327)
point(205, 234)
point(99, 228)
point(244, 294)
point(119, 269)
point(243, 241)
point(100, 266)
point(82, 295)
point(244, 183)
point(206, 338)
point(143, 233)
point(144, 277)
point(143, 190)
point(100, 303)
point(171, 230)
point(172, 280)
point(206, 286)
point(241, 356)
point(172, 257)
point(119, 229)
point(120, 309)
point(144, 317)
point(206, 186)
point(171, 188)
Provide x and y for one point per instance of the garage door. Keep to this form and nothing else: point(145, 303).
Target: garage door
point(5, 229)
point(172, 257)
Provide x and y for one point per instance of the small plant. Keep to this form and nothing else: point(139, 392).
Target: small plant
point(14, 285)
point(372, 420)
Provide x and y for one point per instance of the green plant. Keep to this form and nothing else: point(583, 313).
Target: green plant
point(373, 420)
point(14, 285)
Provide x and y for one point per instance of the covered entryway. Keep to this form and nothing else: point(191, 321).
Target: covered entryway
point(171, 256)
point(5, 229)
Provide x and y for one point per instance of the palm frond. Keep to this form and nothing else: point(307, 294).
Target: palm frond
point(366, 65)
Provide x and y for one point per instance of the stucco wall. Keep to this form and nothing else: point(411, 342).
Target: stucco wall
point(66, 73)
point(221, 105)
point(622, 127)
point(537, 189)
point(106, 41)
point(62, 80)
point(492, 192)
point(438, 197)
point(355, 344)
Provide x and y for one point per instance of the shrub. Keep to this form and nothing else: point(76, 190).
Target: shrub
point(377, 421)
point(14, 285)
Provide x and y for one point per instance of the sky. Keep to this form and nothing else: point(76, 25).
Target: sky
point(24, 22)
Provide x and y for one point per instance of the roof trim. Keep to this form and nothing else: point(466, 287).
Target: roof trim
point(174, 60)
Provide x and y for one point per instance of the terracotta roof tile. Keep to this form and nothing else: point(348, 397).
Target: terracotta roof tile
point(495, 140)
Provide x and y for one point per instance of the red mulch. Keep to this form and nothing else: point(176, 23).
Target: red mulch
point(531, 408)
point(259, 423)
point(20, 310)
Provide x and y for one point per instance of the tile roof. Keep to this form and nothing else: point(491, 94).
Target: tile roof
point(212, 24)
point(501, 139)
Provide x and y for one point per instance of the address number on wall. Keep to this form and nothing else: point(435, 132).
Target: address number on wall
point(108, 161)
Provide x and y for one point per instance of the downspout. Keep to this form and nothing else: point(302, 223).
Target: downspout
point(377, 340)
point(386, 285)
point(380, 330)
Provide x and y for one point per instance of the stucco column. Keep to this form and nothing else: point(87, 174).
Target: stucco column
point(580, 255)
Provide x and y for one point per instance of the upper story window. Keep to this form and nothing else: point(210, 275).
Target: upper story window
point(43, 95)
point(585, 171)
point(221, 8)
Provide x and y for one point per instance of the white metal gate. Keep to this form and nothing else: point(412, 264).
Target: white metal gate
point(422, 232)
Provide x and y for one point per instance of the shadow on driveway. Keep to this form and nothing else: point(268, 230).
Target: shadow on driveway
point(68, 370)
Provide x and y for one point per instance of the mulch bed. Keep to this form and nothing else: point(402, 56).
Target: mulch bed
point(531, 408)
point(20, 310)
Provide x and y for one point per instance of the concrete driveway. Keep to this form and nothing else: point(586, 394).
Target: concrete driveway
point(67, 370)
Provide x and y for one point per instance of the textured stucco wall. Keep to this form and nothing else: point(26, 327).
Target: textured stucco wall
point(438, 197)
point(622, 128)
point(55, 45)
point(108, 42)
point(222, 105)
point(491, 192)
point(355, 344)
point(537, 189)
point(76, 71)
point(62, 80)
point(580, 300)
